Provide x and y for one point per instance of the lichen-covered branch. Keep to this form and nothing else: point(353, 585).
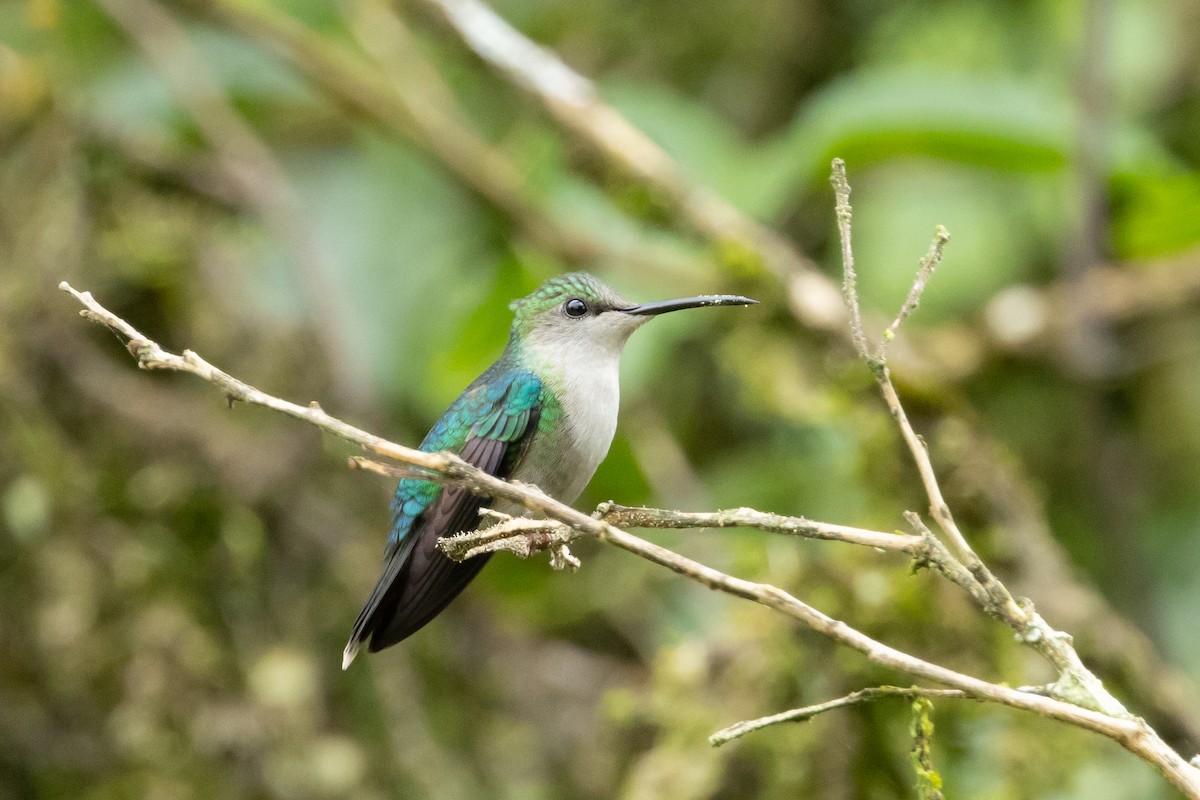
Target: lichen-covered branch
point(929, 782)
point(572, 101)
point(492, 539)
point(1041, 568)
point(1132, 733)
point(535, 536)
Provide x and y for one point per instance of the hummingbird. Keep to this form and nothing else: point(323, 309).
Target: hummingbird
point(544, 413)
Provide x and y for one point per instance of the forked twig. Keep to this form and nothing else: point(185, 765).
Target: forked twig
point(1131, 733)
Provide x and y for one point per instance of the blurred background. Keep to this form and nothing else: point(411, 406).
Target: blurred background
point(335, 201)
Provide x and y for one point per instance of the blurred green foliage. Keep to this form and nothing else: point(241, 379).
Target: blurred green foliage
point(178, 578)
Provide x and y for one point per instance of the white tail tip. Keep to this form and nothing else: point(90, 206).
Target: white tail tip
point(348, 654)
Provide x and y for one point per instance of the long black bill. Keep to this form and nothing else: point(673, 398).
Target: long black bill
point(663, 306)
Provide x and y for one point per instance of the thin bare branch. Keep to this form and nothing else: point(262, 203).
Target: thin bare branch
point(844, 213)
point(804, 714)
point(539, 535)
point(534, 536)
point(924, 272)
point(1131, 733)
point(520, 536)
point(1076, 681)
point(632, 517)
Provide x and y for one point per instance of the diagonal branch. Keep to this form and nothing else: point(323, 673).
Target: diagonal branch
point(247, 162)
point(424, 117)
point(924, 272)
point(572, 101)
point(1131, 733)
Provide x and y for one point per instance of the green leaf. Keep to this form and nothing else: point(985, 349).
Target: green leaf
point(1156, 214)
point(993, 121)
point(408, 254)
point(707, 146)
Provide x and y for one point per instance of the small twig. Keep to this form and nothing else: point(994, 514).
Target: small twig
point(924, 272)
point(1131, 733)
point(534, 536)
point(1076, 682)
point(631, 517)
point(561, 558)
point(521, 536)
point(878, 363)
point(396, 471)
point(983, 468)
point(804, 714)
point(844, 213)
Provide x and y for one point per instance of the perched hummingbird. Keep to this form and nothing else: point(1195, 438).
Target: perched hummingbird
point(544, 413)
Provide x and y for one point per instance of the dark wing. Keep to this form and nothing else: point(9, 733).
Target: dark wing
point(419, 580)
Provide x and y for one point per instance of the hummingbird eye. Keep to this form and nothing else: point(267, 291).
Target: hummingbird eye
point(575, 308)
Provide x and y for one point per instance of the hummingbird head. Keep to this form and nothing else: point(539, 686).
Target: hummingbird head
point(578, 316)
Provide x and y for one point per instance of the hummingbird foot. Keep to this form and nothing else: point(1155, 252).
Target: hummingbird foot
point(562, 558)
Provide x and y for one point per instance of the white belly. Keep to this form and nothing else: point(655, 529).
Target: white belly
point(562, 463)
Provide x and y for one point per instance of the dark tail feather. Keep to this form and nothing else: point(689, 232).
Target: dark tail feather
point(417, 583)
point(367, 618)
point(419, 579)
point(422, 597)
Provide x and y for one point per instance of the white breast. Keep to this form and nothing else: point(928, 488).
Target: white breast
point(583, 376)
point(590, 397)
